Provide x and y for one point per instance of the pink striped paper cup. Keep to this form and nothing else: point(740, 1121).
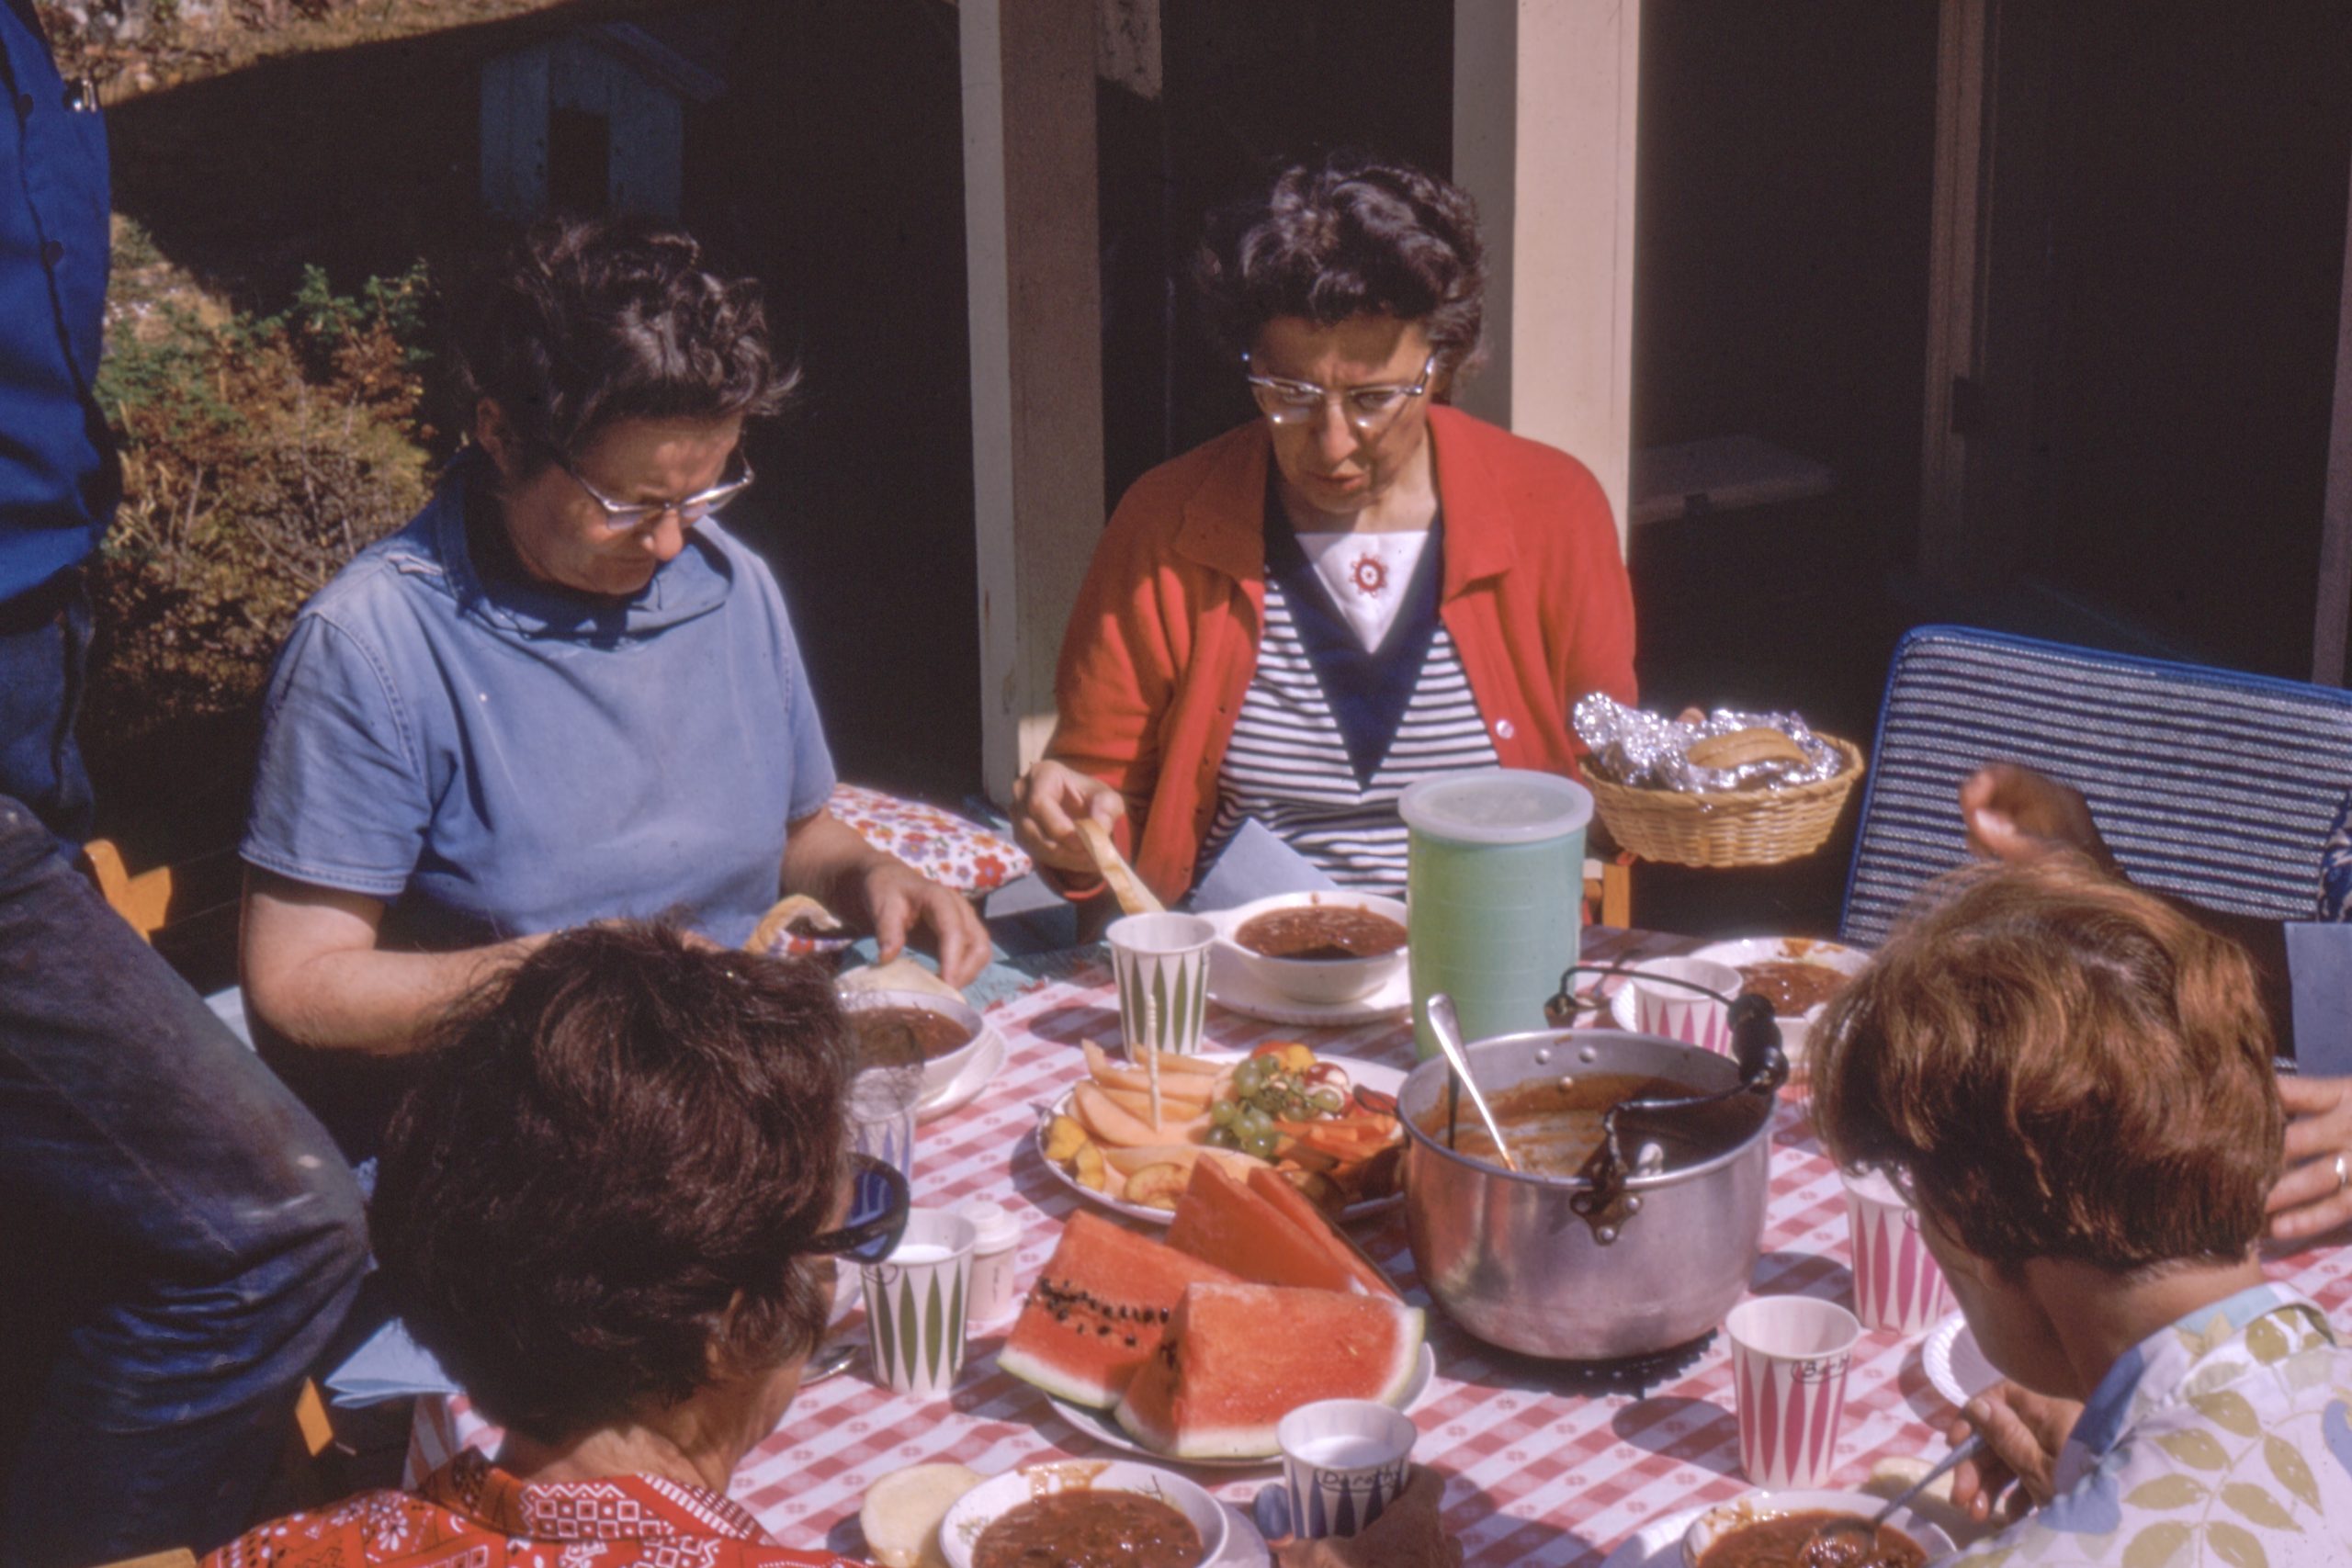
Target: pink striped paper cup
point(1897, 1286)
point(1789, 1357)
point(1677, 1011)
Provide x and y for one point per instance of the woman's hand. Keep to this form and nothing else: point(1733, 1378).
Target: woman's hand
point(1047, 803)
point(2315, 1193)
point(2015, 813)
point(2023, 1433)
point(898, 898)
point(1409, 1534)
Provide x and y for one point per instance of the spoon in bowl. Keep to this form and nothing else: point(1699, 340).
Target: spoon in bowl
point(1447, 1027)
point(1967, 1448)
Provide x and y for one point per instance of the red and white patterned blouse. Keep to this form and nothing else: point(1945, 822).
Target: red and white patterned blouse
point(470, 1514)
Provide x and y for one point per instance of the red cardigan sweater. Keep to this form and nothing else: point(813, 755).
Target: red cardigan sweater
point(1164, 638)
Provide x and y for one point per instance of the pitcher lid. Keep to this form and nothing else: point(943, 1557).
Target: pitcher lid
point(1497, 806)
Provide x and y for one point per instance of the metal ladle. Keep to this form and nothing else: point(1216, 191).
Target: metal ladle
point(1448, 1029)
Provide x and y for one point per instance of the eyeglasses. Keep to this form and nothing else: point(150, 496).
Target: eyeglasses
point(878, 1214)
point(622, 516)
point(1367, 409)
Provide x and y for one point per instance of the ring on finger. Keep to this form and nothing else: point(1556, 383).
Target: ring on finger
point(2343, 1173)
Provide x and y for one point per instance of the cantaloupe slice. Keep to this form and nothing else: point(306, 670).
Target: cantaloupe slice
point(1113, 1124)
point(1193, 1089)
point(1224, 1222)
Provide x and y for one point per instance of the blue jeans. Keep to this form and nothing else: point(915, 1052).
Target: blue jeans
point(44, 649)
point(195, 1227)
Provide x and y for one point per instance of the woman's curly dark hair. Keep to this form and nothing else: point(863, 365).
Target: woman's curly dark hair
point(1348, 236)
point(584, 322)
point(596, 1194)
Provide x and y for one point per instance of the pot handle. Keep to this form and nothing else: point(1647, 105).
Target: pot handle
point(1606, 1203)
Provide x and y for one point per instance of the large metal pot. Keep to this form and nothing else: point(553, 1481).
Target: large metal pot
point(1651, 1261)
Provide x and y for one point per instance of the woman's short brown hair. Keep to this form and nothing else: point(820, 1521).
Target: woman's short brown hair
point(2065, 1066)
point(1347, 235)
point(597, 1195)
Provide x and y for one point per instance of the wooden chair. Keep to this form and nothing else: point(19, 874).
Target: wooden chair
point(2212, 784)
point(1609, 890)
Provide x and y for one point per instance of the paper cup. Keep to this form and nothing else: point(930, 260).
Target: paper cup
point(1343, 1461)
point(1897, 1286)
point(1681, 1013)
point(1789, 1359)
point(1162, 965)
point(914, 1304)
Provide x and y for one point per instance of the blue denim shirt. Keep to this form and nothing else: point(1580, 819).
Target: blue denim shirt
point(494, 758)
point(58, 481)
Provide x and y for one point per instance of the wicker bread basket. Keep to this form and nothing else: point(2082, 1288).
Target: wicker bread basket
point(1761, 826)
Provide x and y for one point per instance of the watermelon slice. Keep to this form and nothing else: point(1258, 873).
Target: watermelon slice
point(1237, 1359)
point(1231, 1226)
point(1097, 1310)
point(1269, 1185)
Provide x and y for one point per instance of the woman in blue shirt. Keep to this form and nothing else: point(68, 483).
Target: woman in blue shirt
point(562, 693)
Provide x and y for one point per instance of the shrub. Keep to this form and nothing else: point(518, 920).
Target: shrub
point(259, 455)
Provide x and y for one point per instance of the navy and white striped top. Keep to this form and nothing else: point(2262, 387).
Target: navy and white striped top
point(1288, 764)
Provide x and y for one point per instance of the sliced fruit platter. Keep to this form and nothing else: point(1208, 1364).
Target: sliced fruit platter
point(1130, 1134)
point(1193, 1347)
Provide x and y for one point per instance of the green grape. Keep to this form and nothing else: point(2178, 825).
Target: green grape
point(1269, 1101)
point(1330, 1101)
point(1262, 1145)
point(1222, 1136)
point(1223, 1113)
point(1253, 1119)
point(1246, 1079)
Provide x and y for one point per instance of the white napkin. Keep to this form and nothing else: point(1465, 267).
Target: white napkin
point(389, 1366)
point(1257, 865)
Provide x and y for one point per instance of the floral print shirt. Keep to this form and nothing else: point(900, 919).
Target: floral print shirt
point(2224, 1441)
point(470, 1514)
point(2335, 867)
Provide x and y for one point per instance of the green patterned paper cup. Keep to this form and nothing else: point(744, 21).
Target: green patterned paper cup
point(1162, 965)
point(914, 1304)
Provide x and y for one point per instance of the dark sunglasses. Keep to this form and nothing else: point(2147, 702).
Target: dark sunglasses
point(878, 1214)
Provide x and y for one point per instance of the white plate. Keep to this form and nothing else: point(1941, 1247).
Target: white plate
point(1104, 1427)
point(1371, 1074)
point(1235, 988)
point(1658, 1544)
point(1955, 1366)
point(979, 1068)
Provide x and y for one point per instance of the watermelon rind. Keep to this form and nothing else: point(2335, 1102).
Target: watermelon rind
point(1096, 1259)
point(1147, 1410)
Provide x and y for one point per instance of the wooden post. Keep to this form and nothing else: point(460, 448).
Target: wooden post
point(1546, 93)
point(2332, 620)
point(1987, 288)
point(1036, 351)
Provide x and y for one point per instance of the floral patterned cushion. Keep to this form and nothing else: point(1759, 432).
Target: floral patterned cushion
point(943, 846)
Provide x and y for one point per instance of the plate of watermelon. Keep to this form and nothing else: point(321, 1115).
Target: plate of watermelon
point(1191, 1349)
point(1328, 1122)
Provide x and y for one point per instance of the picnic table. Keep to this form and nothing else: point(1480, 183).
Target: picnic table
point(1545, 1463)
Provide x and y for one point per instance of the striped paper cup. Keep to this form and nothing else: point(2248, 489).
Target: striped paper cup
point(1678, 1012)
point(1789, 1359)
point(1897, 1286)
point(914, 1304)
point(1162, 965)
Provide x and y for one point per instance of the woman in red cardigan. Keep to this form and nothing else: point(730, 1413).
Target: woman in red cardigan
point(1356, 591)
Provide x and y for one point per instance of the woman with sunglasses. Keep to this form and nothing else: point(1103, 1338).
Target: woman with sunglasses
point(611, 1206)
point(1361, 588)
point(562, 693)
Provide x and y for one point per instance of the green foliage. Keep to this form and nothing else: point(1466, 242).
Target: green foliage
point(259, 455)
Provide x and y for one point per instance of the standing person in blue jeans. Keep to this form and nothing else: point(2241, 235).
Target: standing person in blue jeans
point(184, 1227)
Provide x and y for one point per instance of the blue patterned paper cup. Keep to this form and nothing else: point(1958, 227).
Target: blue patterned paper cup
point(914, 1304)
point(1343, 1461)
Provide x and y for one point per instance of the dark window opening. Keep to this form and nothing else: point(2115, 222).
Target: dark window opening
point(580, 151)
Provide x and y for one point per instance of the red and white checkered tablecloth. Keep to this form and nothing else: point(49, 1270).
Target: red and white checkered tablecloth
point(1534, 1474)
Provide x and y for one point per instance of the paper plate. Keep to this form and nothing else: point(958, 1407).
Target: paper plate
point(1956, 1367)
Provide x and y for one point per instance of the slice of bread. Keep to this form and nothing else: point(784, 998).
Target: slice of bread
point(901, 1514)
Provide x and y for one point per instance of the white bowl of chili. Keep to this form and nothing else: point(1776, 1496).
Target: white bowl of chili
point(1088, 1511)
point(894, 1025)
point(1319, 948)
point(1748, 1531)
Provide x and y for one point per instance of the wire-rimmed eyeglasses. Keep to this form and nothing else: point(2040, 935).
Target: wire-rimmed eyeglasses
point(1368, 408)
point(622, 516)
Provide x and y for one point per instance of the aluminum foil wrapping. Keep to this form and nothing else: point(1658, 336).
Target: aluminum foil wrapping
point(1651, 751)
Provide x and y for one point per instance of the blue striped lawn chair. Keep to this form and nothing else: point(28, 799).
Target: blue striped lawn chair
point(2210, 784)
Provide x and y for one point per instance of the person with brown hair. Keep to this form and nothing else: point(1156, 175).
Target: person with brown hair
point(612, 1207)
point(2072, 1079)
point(1361, 588)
